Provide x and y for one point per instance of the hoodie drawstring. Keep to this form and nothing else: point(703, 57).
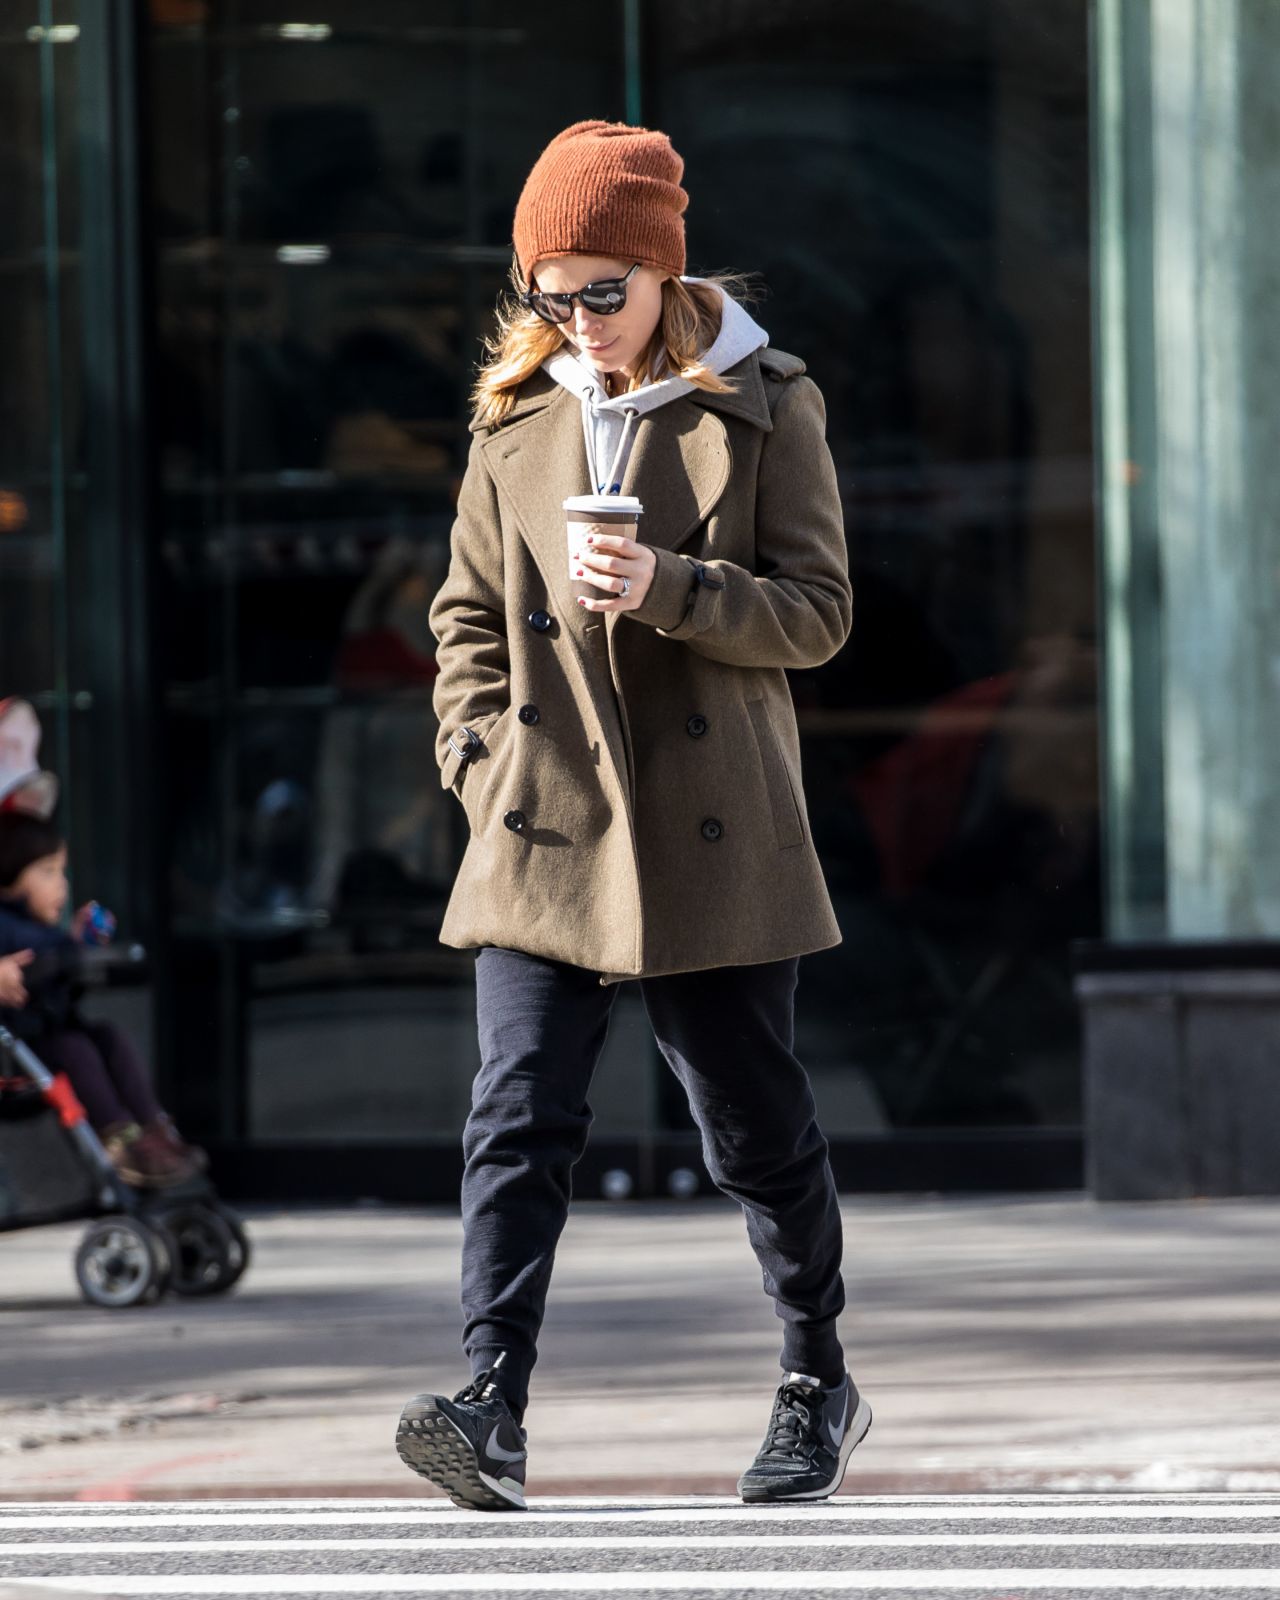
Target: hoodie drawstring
point(613, 483)
point(588, 395)
point(613, 480)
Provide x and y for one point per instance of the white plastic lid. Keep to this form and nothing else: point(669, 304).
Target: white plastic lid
point(603, 502)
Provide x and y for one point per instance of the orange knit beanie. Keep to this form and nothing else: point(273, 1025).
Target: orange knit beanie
point(603, 189)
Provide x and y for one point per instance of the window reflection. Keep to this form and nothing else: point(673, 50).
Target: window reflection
point(333, 213)
point(911, 181)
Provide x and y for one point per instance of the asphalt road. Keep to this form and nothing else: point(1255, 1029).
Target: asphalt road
point(998, 1548)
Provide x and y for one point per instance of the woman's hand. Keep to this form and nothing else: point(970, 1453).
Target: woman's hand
point(13, 987)
point(607, 559)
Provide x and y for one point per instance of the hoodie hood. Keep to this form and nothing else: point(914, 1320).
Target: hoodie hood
point(608, 425)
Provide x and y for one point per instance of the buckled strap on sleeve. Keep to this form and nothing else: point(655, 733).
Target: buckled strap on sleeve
point(464, 751)
point(704, 574)
point(463, 742)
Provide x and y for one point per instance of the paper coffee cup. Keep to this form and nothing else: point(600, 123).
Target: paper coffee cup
point(597, 513)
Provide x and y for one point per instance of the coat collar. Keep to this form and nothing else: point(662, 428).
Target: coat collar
point(746, 400)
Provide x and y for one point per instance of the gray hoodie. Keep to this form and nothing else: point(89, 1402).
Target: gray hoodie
point(608, 426)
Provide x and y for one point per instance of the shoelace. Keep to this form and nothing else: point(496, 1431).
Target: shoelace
point(791, 1420)
point(483, 1386)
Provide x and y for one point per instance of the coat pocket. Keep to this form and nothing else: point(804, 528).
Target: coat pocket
point(788, 824)
point(478, 778)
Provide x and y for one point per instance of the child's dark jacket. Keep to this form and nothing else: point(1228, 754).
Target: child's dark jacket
point(52, 980)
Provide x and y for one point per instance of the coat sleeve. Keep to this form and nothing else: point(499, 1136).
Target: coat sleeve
point(799, 610)
point(468, 619)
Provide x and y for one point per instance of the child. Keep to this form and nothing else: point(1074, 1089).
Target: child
point(39, 991)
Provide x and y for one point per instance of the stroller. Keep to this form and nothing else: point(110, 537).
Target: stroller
point(53, 1166)
point(142, 1242)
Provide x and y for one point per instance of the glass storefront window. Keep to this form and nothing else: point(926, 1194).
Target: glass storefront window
point(330, 203)
point(912, 184)
point(59, 629)
point(39, 260)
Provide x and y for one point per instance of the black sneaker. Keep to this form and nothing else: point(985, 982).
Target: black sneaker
point(811, 1435)
point(470, 1446)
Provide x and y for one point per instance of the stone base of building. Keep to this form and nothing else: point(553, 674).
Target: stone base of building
point(1181, 1069)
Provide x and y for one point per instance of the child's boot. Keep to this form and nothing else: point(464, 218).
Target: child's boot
point(143, 1158)
point(164, 1129)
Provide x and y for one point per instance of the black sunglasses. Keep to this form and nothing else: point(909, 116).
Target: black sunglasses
point(602, 298)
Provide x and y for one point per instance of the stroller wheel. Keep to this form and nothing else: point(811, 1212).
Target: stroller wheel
point(202, 1246)
point(122, 1262)
point(241, 1251)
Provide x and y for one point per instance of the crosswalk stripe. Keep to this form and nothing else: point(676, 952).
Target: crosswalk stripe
point(438, 1505)
point(612, 1511)
point(932, 1581)
point(716, 1548)
point(658, 1541)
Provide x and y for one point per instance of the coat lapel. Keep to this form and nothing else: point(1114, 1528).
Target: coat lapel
point(680, 463)
point(538, 461)
point(678, 469)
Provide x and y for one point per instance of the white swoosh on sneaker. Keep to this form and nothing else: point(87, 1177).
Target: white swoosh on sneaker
point(837, 1433)
point(494, 1449)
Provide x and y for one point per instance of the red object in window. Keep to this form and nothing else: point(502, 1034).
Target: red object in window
point(382, 656)
point(62, 1097)
point(912, 797)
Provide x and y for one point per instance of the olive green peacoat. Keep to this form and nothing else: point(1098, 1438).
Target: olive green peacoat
point(634, 798)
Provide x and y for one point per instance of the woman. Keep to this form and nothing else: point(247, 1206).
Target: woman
point(630, 770)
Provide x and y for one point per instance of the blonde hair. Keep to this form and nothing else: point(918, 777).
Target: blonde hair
point(687, 328)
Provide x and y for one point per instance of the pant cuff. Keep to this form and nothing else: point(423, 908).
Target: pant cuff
point(816, 1351)
point(512, 1376)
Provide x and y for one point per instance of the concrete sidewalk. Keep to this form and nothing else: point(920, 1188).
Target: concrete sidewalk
point(1004, 1344)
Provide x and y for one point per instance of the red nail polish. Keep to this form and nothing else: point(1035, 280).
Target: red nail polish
point(581, 601)
point(578, 573)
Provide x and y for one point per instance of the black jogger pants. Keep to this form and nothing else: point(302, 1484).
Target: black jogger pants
point(727, 1034)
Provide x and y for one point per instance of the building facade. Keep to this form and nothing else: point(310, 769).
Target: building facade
point(251, 251)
